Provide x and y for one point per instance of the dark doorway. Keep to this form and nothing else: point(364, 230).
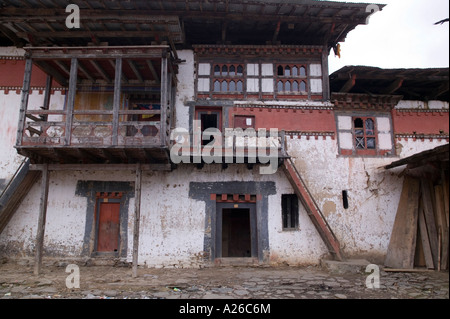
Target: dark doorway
point(236, 230)
point(209, 120)
point(236, 234)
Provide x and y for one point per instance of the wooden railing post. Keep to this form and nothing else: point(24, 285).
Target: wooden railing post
point(164, 92)
point(71, 100)
point(24, 100)
point(41, 220)
point(116, 106)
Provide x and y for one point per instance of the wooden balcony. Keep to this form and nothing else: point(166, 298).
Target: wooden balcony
point(118, 106)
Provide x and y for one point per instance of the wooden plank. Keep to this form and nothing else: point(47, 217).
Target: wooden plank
point(164, 93)
point(137, 217)
point(41, 221)
point(442, 227)
point(71, 100)
point(400, 253)
point(425, 240)
point(116, 102)
point(430, 219)
point(24, 100)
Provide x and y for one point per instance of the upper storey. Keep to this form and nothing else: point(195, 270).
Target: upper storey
point(181, 23)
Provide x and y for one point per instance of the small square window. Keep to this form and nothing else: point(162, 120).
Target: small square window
point(289, 210)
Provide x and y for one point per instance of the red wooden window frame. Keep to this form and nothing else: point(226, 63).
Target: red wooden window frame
point(227, 81)
point(290, 78)
point(361, 136)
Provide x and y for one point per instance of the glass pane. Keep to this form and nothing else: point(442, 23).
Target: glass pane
point(359, 132)
point(280, 86)
point(294, 71)
point(302, 86)
point(371, 143)
point(240, 70)
point(360, 143)
point(295, 86)
point(240, 87)
point(287, 87)
point(217, 70)
point(369, 127)
point(224, 70)
point(216, 86)
point(287, 70)
point(302, 71)
point(232, 70)
point(232, 86)
point(224, 86)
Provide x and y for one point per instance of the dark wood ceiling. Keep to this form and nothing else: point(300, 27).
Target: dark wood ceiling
point(180, 23)
point(412, 84)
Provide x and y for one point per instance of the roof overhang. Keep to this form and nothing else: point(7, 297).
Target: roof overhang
point(182, 23)
point(412, 84)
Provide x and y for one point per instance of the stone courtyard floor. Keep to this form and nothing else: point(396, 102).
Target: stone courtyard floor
point(17, 281)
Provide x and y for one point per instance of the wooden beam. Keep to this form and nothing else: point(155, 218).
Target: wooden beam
point(135, 71)
point(116, 102)
point(153, 71)
point(443, 88)
point(137, 218)
point(41, 220)
point(47, 68)
point(430, 219)
point(349, 84)
point(71, 100)
point(24, 100)
point(100, 70)
point(397, 84)
point(164, 92)
point(101, 167)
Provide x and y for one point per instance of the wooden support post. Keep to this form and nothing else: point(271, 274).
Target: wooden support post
point(41, 220)
point(163, 100)
point(137, 217)
point(116, 105)
point(325, 77)
point(71, 100)
point(24, 100)
point(47, 94)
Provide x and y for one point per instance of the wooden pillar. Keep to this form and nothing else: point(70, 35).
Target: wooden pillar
point(24, 100)
point(164, 92)
point(47, 94)
point(325, 77)
point(41, 220)
point(71, 100)
point(137, 217)
point(116, 105)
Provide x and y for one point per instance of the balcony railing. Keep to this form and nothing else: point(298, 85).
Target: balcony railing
point(105, 115)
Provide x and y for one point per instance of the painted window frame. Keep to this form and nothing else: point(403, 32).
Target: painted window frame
point(209, 88)
point(365, 150)
point(289, 212)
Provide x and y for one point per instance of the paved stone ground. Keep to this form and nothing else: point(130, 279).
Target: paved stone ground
point(107, 282)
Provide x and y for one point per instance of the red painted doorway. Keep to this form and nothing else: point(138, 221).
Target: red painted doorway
point(108, 227)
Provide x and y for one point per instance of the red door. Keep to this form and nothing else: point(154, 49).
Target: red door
point(108, 227)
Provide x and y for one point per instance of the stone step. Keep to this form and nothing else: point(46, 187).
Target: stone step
point(346, 266)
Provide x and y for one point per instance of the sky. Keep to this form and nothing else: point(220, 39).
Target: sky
point(402, 35)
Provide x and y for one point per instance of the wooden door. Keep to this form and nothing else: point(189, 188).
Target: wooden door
point(108, 227)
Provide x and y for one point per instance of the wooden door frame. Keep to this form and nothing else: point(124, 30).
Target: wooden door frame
point(253, 227)
point(100, 200)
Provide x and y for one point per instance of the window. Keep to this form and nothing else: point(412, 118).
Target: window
point(364, 133)
point(228, 78)
point(289, 210)
point(292, 79)
point(209, 118)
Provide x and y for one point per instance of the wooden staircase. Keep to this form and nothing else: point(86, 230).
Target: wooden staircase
point(312, 209)
point(16, 190)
